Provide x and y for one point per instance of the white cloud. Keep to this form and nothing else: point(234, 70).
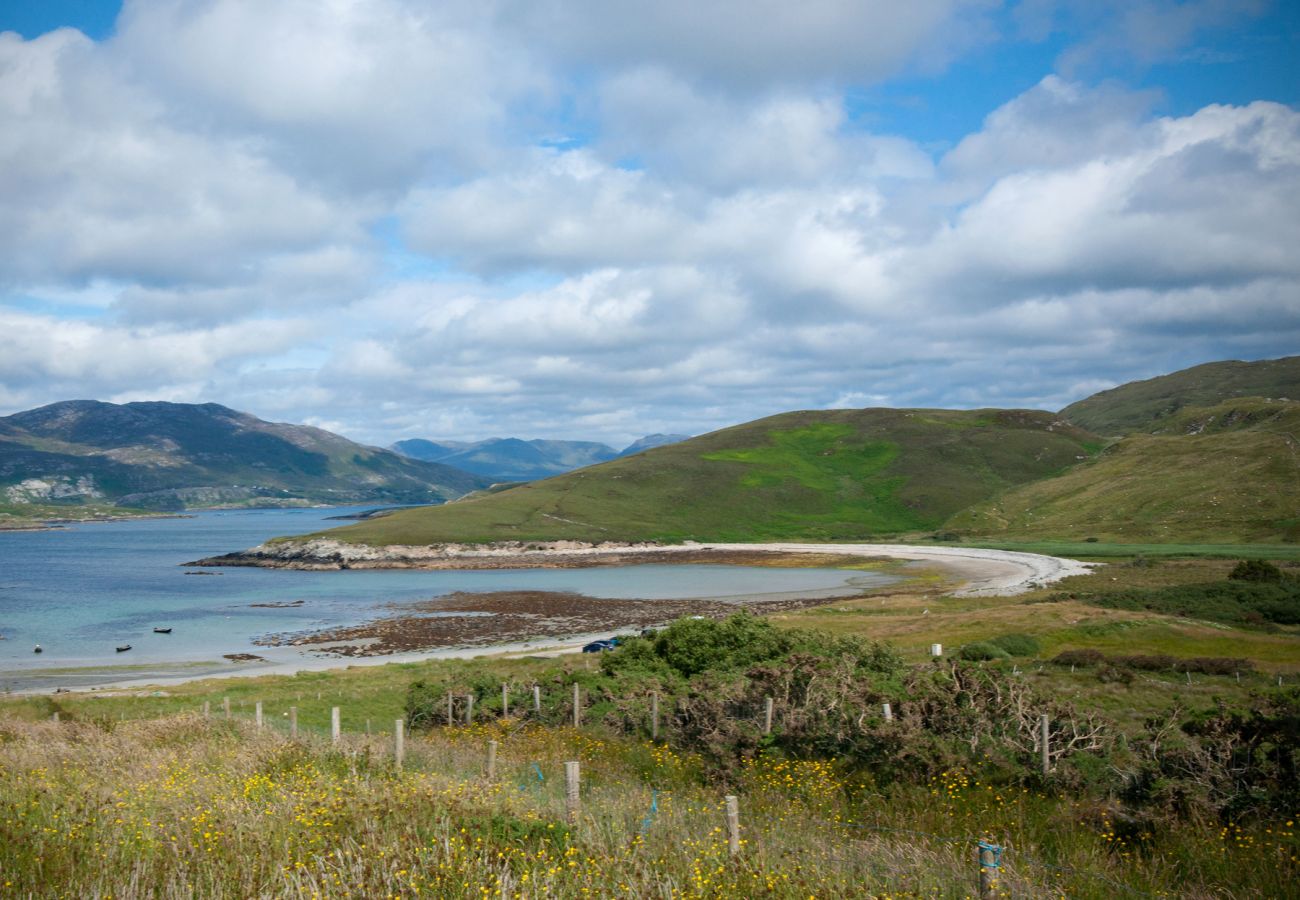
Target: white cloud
point(342, 212)
point(95, 182)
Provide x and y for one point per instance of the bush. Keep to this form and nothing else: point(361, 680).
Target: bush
point(1258, 570)
point(1017, 644)
point(1079, 658)
point(982, 650)
point(1236, 602)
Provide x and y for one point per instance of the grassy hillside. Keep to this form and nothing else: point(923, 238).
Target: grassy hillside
point(819, 475)
point(174, 455)
point(1143, 405)
point(1220, 474)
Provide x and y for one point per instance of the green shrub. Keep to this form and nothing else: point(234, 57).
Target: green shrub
point(1017, 644)
point(1236, 602)
point(982, 650)
point(1259, 570)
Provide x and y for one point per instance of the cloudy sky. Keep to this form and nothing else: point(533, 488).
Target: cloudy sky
point(557, 218)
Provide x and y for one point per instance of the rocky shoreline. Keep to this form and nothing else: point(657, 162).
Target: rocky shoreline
point(466, 619)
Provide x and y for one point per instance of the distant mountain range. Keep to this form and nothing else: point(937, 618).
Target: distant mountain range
point(173, 456)
point(512, 459)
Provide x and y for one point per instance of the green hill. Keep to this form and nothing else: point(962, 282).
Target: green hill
point(1227, 473)
point(168, 456)
point(817, 475)
point(1144, 405)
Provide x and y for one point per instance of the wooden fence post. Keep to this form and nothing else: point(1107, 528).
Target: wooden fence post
point(55, 718)
point(537, 699)
point(888, 711)
point(505, 700)
point(336, 729)
point(733, 824)
point(207, 708)
point(654, 716)
point(988, 859)
point(225, 704)
point(492, 761)
point(451, 703)
point(257, 714)
point(469, 709)
point(577, 706)
point(399, 741)
point(1044, 727)
point(571, 798)
point(293, 722)
point(767, 715)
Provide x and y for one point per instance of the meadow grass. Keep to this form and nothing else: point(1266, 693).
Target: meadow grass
point(179, 806)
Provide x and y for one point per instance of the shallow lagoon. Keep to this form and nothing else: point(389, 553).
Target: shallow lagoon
point(82, 590)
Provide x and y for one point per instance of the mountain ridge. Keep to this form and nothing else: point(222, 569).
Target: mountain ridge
point(170, 456)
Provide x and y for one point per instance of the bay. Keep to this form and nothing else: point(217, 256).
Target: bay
point(81, 591)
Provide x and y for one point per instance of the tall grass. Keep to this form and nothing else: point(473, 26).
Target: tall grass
point(181, 806)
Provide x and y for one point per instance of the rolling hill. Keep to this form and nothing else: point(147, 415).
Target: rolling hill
point(1144, 405)
point(1225, 473)
point(170, 456)
point(816, 475)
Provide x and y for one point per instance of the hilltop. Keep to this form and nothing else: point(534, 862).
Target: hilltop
point(170, 456)
point(1229, 472)
point(1144, 405)
point(813, 475)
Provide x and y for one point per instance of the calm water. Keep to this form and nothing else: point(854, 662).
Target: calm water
point(83, 590)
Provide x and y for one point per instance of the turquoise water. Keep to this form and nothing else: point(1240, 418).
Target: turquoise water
point(82, 590)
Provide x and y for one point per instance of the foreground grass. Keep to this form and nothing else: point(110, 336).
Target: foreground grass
point(182, 806)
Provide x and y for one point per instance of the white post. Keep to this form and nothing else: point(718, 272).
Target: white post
point(571, 799)
point(577, 707)
point(733, 824)
point(55, 717)
point(207, 708)
point(767, 715)
point(889, 712)
point(505, 700)
point(1044, 727)
point(293, 722)
point(654, 716)
point(225, 704)
point(469, 709)
point(336, 729)
point(492, 761)
point(399, 742)
point(257, 714)
point(936, 649)
point(537, 699)
point(451, 703)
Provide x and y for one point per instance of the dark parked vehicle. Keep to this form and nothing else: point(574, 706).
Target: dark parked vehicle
point(600, 646)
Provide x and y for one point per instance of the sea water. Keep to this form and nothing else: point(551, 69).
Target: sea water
point(83, 590)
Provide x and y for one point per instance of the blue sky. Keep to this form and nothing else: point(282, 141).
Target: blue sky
point(546, 219)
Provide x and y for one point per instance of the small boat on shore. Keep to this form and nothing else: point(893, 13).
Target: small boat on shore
point(161, 630)
point(123, 648)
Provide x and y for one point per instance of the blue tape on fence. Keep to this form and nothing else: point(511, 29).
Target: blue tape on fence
point(653, 811)
point(541, 779)
point(997, 855)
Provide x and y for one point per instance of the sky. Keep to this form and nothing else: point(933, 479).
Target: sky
point(565, 219)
